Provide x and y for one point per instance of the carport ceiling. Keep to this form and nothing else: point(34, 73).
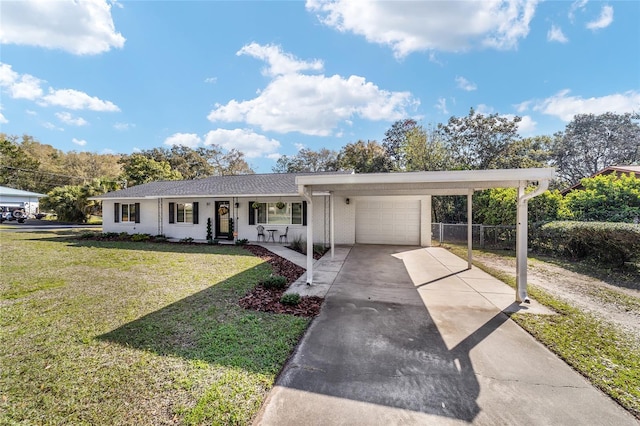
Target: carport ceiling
point(457, 182)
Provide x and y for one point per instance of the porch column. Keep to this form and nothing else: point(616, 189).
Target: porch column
point(331, 222)
point(425, 221)
point(521, 247)
point(470, 228)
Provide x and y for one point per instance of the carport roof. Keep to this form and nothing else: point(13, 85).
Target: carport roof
point(456, 182)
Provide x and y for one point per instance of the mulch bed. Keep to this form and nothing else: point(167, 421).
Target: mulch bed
point(268, 300)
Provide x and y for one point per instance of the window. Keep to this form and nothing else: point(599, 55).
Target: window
point(270, 214)
point(184, 213)
point(127, 212)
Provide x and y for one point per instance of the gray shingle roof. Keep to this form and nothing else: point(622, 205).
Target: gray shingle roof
point(239, 185)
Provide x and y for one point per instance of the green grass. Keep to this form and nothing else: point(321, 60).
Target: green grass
point(601, 352)
point(133, 333)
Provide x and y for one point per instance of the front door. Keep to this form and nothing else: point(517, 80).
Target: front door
point(223, 214)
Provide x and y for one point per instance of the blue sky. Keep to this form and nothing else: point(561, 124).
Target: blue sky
point(268, 78)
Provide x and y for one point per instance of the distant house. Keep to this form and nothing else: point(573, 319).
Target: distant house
point(618, 170)
point(16, 198)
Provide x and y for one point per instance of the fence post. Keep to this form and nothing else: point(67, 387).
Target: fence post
point(441, 231)
point(481, 235)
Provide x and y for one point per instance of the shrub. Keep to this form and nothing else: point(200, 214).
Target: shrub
point(274, 281)
point(213, 242)
point(160, 238)
point(611, 244)
point(186, 240)
point(298, 244)
point(290, 299)
point(89, 235)
point(124, 236)
point(140, 237)
point(242, 242)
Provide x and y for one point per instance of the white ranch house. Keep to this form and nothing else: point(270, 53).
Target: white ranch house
point(321, 208)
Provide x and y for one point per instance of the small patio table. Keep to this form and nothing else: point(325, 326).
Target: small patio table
point(272, 235)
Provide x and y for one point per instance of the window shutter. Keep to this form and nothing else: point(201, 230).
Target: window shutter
point(116, 212)
point(195, 213)
point(252, 214)
point(172, 212)
point(137, 212)
point(304, 213)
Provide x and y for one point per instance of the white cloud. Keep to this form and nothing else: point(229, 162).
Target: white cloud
point(576, 5)
point(442, 105)
point(465, 84)
point(123, 126)
point(414, 26)
point(280, 63)
point(190, 140)
point(30, 112)
point(3, 119)
point(556, 34)
point(74, 99)
point(484, 109)
point(244, 140)
point(136, 150)
point(299, 146)
point(19, 86)
point(563, 106)
point(51, 126)
point(107, 151)
point(526, 126)
point(523, 106)
point(274, 156)
point(604, 20)
point(80, 142)
point(211, 80)
point(67, 118)
point(80, 27)
point(314, 105)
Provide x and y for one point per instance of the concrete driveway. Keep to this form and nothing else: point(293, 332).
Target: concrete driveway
point(408, 336)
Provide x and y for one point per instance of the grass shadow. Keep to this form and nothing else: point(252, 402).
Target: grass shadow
point(209, 326)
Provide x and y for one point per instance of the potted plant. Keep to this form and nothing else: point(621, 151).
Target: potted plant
point(255, 205)
point(280, 205)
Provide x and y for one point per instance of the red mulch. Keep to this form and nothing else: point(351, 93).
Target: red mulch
point(268, 300)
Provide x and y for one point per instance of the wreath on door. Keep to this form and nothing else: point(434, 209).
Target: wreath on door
point(222, 210)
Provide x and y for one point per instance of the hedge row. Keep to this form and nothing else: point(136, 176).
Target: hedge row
point(611, 244)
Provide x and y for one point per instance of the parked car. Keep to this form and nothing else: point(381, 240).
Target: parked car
point(9, 214)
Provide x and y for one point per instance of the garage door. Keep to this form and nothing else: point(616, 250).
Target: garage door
point(388, 222)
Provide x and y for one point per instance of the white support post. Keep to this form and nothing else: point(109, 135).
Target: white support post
point(425, 221)
point(521, 248)
point(331, 222)
point(309, 240)
point(470, 228)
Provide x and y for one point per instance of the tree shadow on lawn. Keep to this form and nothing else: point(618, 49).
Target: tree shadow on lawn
point(210, 326)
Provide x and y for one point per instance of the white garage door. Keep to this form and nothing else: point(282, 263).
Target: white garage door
point(388, 222)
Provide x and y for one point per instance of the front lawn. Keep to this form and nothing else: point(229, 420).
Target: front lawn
point(98, 332)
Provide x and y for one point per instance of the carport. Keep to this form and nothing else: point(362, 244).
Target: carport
point(428, 184)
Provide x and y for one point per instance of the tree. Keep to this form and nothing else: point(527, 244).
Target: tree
point(138, 169)
point(17, 168)
point(605, 198)
point(498, 206)
point(365, 157)
point(307, 160)
point(395, 139)
point(71, 202)
point(477, 141)
point(525, 153)
point(592, 142)
point(233, 163)
point(423, 151)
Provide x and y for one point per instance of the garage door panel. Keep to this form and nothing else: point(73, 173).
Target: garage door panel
point(388, 222)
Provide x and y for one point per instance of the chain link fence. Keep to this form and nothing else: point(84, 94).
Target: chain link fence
point(483, 236)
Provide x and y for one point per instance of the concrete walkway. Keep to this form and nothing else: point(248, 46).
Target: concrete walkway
point(409, 336)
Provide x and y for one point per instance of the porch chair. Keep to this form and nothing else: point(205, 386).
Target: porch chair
point(286, 231)
point(260, 229)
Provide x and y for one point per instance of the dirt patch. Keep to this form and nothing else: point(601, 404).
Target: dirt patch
point(605, 300)
point(268, 300)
